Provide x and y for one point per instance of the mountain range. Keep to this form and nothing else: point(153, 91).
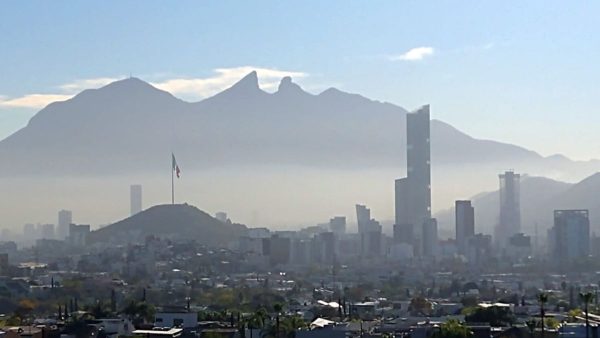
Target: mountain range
point(129, 126)
point(291, 155)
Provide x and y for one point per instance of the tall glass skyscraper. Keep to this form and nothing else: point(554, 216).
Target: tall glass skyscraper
point(413, 193)
point(510, 208)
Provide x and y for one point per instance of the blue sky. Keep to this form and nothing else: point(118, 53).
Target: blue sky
point(520, 72)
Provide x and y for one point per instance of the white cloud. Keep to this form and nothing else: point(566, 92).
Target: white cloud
point(33, 100)
point(195, 88)
point(79, 85)
point(65, 92)
point(414, 54)
point(187, 88)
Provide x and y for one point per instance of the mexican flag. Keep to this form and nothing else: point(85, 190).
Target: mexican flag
point(175, 166)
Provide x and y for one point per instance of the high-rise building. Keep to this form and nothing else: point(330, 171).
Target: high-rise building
point(403, 226)
point(47, 231)
point(363, 218)
point(300, 252)
point(479, 248)
point(135, 198)
point(78, 234)
point(430, 238)
point(369, 231)
point(327, 246)
point(465, 224)
point(403, 233)
point(418, 162)
point(519, 246)
point(570, 237)
point(413, 193)
point(65, 218)
point(29, 232)
point(510, 208)
point(370, 242)
point(338, 225)
point(278, 249)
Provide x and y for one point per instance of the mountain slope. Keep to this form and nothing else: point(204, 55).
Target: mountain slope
point(539, 198)
point(180, 221)
point(130, 126)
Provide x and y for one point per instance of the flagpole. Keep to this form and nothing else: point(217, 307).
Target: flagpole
point(172, 185)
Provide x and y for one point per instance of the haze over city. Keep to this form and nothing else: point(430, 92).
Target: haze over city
point(485, 75)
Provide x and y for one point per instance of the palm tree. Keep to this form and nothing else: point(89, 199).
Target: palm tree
point(543, 299)
point(278, 308)
point(290, 324)
point(257, 320)
point(586, 298)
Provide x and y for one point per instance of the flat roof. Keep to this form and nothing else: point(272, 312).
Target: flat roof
point(169, 332)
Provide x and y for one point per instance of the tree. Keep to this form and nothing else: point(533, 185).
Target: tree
point(552, 322)
point(278, 308)
point(420, 305)
point(139, 312)
point(99, 309)
point(286, 328)
point(494, 315)
point(573, 314)
point(531, 324)
point(13, 320)
point(25, 307)
point(452, 329)
point(586, 298)
point(543, 299)
point(258, 318)
point(291, 324)
point(469, 301)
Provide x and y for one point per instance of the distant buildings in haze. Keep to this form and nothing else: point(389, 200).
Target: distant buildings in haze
point(510, 208)
point(337, 225)
point(78, 234)
point(464, 224)
point(369, 231)
point(363, 218)
point(570, 237)
point(65, 218)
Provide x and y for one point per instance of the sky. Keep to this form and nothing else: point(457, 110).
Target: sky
point(513, 71)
